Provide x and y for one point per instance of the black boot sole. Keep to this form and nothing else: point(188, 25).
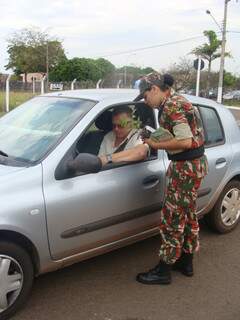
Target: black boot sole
point(164, 282)
point(187, 273)
point(184, 272)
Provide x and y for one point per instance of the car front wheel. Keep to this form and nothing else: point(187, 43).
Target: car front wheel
point(226, 213)
point(16, 278)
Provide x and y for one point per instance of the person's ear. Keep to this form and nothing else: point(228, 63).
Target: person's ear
point(155, 89)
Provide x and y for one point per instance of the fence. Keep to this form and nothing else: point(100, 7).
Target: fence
point(13, 93)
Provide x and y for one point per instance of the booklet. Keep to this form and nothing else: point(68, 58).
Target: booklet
point(162, 134)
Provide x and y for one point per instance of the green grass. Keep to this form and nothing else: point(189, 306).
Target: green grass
point(15, 99)
point(234, 103)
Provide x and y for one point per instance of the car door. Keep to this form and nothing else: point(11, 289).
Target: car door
point(218, 151)
point(89, 211)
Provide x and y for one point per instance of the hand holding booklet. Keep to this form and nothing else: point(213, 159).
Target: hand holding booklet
point(161, 134)
point(158, 135)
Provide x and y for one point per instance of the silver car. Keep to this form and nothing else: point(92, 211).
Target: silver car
point(52, 216)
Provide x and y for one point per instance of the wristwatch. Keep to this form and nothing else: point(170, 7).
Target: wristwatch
point(109, 158)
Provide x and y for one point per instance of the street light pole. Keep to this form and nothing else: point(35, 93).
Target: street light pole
point(221, 71)
point(209, 12)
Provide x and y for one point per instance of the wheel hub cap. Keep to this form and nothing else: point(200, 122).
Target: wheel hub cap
point(11, 280)
point(230, 210)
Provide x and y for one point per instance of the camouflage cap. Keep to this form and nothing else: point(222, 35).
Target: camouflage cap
point(154, 78)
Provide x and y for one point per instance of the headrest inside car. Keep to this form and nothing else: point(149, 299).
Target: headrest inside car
point(104, 121)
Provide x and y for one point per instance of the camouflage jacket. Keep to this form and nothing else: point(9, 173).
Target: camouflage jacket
point(182, 119)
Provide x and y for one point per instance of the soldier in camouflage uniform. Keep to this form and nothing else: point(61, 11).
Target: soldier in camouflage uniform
point(179, 227)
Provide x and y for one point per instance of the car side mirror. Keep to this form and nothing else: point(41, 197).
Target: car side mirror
point(84, 163)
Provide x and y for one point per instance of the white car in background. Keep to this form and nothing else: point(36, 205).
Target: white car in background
point(233, 95)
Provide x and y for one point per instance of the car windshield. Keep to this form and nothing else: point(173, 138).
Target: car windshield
point(28, 132)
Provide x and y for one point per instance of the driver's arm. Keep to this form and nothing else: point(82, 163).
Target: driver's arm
point(137, 153)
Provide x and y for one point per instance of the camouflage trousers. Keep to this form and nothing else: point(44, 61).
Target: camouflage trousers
point(179, 227)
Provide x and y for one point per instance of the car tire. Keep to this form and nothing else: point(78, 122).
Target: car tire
point(225, 215)
point(16, 272)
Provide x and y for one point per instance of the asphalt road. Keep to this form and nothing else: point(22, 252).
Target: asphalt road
point(236, 113)
point(104, 288)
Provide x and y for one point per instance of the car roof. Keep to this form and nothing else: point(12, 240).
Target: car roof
point(120, 96)
point(98, 94)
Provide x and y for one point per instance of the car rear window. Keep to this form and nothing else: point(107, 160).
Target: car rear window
point(213, 130)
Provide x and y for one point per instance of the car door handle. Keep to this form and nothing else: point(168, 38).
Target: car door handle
point(220, 161)
point(151, 181)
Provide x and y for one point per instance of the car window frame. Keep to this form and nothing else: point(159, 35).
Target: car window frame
point(71, 153)
point(211, 145)
point(113, 106)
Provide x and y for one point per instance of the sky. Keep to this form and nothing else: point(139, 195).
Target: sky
point(104, 28)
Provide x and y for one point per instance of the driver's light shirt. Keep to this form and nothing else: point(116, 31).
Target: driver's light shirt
point(107, 145)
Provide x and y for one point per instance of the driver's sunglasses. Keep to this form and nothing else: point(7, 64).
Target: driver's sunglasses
point(120, 125)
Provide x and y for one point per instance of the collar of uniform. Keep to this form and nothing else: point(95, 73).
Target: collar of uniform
point(171, 95)
point(172, 92)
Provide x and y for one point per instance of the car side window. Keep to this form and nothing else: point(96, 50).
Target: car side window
point(92, 138)
point(213, 129)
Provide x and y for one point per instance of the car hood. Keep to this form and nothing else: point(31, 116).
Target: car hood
point(5, 170)
point(15, 180)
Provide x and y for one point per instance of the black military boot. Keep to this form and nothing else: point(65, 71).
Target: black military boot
point(185, 264)
point(161, 274)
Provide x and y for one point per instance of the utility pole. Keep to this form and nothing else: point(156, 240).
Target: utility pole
point(221, 71)
point(198, 76)
point(47, 64)
point(125, 76)
point(7, 92)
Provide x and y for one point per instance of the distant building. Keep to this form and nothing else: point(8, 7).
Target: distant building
point(37, 75)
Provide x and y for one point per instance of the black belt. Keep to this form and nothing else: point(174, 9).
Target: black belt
point(187, 155)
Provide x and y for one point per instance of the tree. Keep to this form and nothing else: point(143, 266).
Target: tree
point(29, 50)
point(81, 69)
point(183, 73)
point(105, 67)
point(135, 72)
point(229, 80)
point(237, 86)
point(210, 51)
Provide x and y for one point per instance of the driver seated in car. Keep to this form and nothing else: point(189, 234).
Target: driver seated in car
point(123, 136)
